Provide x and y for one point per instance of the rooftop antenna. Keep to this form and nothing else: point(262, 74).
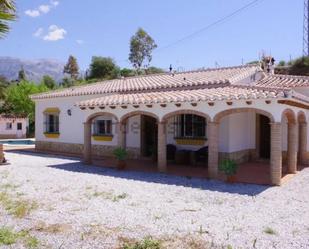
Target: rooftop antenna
point(306, 29)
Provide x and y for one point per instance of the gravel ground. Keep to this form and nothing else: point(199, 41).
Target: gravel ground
point(81, 206)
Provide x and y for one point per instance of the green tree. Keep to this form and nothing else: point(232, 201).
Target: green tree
point(67, 82)
point(300, 66)
point(154, 70)
point(22, 75)
point(126, 72)
point(281, 63)
point(4, 83)
point(103, 68)
point(72, 68)
point(49, 82)
point(7, 14)
point(18, 100)
point(141, 47)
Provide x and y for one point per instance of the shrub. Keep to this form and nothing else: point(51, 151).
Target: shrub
point(7, 236)
point(147, 243)
point(229, 167)
point(120, 153)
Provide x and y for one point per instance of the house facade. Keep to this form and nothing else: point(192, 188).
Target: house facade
point(13, 127)
point(241, 113)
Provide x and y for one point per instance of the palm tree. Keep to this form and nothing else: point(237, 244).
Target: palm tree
point(7, 13)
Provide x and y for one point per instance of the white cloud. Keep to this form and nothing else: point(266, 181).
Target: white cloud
point(55, 33)
point(42, 9)
point(38, 33)
point(80, 42)
point(32, 13)
point(54, 3)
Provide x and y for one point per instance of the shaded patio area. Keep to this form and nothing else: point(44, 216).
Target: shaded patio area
point(251, 172)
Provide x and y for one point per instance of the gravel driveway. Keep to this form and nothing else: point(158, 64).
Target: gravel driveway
point(76, 206)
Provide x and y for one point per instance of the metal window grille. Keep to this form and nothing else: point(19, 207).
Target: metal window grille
point(190, 126)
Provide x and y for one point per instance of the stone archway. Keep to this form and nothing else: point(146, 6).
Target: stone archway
point(87, 153)
point(275, 141)
point(302, 138)
point(196, 140)
point(222, 114)
point(179, 112)
point(149, 141)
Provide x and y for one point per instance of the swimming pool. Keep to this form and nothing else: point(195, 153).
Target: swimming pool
point(17, 141)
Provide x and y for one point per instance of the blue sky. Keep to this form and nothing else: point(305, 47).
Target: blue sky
point(57, 28)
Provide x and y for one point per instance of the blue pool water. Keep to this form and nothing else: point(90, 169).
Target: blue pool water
point(17, 142)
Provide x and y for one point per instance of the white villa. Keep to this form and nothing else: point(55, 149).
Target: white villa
point(12, 127)
point(242, 113)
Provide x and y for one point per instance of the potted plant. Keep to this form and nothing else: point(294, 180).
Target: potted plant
point(121, 155)
point(229, 168)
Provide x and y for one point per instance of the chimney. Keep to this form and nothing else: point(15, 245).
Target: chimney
point(268, 64)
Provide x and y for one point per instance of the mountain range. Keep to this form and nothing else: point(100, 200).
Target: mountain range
point(34, 69)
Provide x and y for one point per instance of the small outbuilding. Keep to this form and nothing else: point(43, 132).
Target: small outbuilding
point(13, 126)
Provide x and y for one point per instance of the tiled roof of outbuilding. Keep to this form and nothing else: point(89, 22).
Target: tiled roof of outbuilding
point(193, 96)
point(283, 81)
point(167, 81)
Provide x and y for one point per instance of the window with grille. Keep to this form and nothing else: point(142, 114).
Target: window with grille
point(9, 126)
point(51, 123)
point(102, 128)
point(190, 126)
point(19, 126)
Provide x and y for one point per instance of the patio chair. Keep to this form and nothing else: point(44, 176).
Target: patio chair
point(170, 152)
point(201, 155)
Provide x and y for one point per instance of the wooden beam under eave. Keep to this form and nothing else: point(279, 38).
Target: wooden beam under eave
point(293, 103)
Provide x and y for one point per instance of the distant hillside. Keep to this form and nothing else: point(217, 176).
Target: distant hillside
point(35, 69)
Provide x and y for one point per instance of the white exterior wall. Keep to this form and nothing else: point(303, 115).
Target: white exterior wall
point(133, 135)
point(237, 132)
point(72, 130)
point(13, 132)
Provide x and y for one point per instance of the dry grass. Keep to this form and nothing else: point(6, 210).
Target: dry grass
point(17, 207)
point(270, 231)
point(107, 195)
point(52, 228)
point(185, 242)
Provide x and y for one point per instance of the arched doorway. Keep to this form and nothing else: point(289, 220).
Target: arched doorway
point(140, 134)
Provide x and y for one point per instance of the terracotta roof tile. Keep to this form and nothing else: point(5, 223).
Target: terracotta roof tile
point(179, 96)
point(284, 81)
point(207, 77)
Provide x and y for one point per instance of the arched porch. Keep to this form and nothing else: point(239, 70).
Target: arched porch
point(244, 135)
point(108, 128)
point(265, 139)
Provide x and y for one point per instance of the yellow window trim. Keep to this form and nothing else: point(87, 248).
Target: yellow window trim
point(52, 135)
point(185, 141)
point(102, 138)
point(52, 110)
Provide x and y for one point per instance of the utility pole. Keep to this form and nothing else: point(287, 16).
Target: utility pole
point(306, 29)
